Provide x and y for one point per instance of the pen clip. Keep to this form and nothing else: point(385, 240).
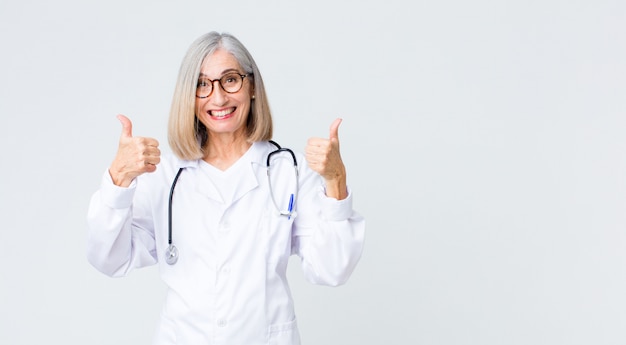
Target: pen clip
point(290, 208)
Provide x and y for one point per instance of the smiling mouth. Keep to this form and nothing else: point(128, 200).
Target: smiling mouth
point(221, 113)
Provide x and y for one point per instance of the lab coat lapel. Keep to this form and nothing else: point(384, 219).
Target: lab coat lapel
point(250, 180)
point(201, 184)
point(205, 187)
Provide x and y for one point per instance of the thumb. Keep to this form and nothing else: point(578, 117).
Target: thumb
point(334, 129)
point(127, 126)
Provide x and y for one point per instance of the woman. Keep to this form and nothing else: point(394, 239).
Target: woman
point(233, 228)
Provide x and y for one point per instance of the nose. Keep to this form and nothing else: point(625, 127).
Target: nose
point(218, 95)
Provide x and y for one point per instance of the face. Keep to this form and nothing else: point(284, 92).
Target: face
point(223, 113)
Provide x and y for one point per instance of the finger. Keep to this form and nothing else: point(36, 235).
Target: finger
point(147, 150)
point(313, 143)
point(150, 162)
point(127, 126)
point(334, 129)
point(149, 142)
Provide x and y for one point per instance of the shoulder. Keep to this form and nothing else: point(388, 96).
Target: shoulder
point(167, 169)
point(260, 150)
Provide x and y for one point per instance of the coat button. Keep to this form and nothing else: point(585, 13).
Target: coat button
point(221, 323)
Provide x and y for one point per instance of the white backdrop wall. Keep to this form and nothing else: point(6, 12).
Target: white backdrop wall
point(485, 144)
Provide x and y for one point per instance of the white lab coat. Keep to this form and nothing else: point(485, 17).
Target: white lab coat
point(229, 285)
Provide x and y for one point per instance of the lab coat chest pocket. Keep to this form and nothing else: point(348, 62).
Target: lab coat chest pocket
point(277, 236)
point(284, 334)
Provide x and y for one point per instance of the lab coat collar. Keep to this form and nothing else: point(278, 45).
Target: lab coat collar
point(185, 164)
point(253, 158)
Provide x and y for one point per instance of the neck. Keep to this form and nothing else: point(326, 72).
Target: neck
point(223, 151)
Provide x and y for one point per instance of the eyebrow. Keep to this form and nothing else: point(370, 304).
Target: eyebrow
point(224, 72)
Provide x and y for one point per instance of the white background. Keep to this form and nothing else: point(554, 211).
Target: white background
point(485, 143)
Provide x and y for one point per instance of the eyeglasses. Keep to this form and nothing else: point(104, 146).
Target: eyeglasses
point(230, 83)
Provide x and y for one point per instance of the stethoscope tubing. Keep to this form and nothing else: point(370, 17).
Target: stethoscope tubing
point(171, 253)
point(169, 211)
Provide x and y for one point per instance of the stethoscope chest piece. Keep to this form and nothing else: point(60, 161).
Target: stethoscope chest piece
point(171, 254)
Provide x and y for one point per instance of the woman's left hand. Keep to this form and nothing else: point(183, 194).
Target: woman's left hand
point(324, 158)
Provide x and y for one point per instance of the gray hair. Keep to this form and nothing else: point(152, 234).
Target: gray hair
point(187, 136)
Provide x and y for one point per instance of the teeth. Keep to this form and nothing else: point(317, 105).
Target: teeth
point(222, 113)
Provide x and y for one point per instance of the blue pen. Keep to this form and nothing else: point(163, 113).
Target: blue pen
point(290, 206)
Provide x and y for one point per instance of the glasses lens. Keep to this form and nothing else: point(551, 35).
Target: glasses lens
point(204, 87)
point(231, 82)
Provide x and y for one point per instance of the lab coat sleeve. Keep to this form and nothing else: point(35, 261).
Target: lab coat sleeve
point(120, 229)
point(329, 234)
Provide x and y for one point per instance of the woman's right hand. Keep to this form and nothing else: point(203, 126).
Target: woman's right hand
point(135, 155)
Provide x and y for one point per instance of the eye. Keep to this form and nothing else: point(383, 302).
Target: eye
point(202, 83)
point(229, 79)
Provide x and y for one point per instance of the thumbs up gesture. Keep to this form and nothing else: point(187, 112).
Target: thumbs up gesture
point(135, 155)
point(323, 157)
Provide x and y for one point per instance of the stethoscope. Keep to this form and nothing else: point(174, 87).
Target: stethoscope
point(171, 253)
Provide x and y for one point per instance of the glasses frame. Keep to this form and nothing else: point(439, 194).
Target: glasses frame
point(243, 77)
